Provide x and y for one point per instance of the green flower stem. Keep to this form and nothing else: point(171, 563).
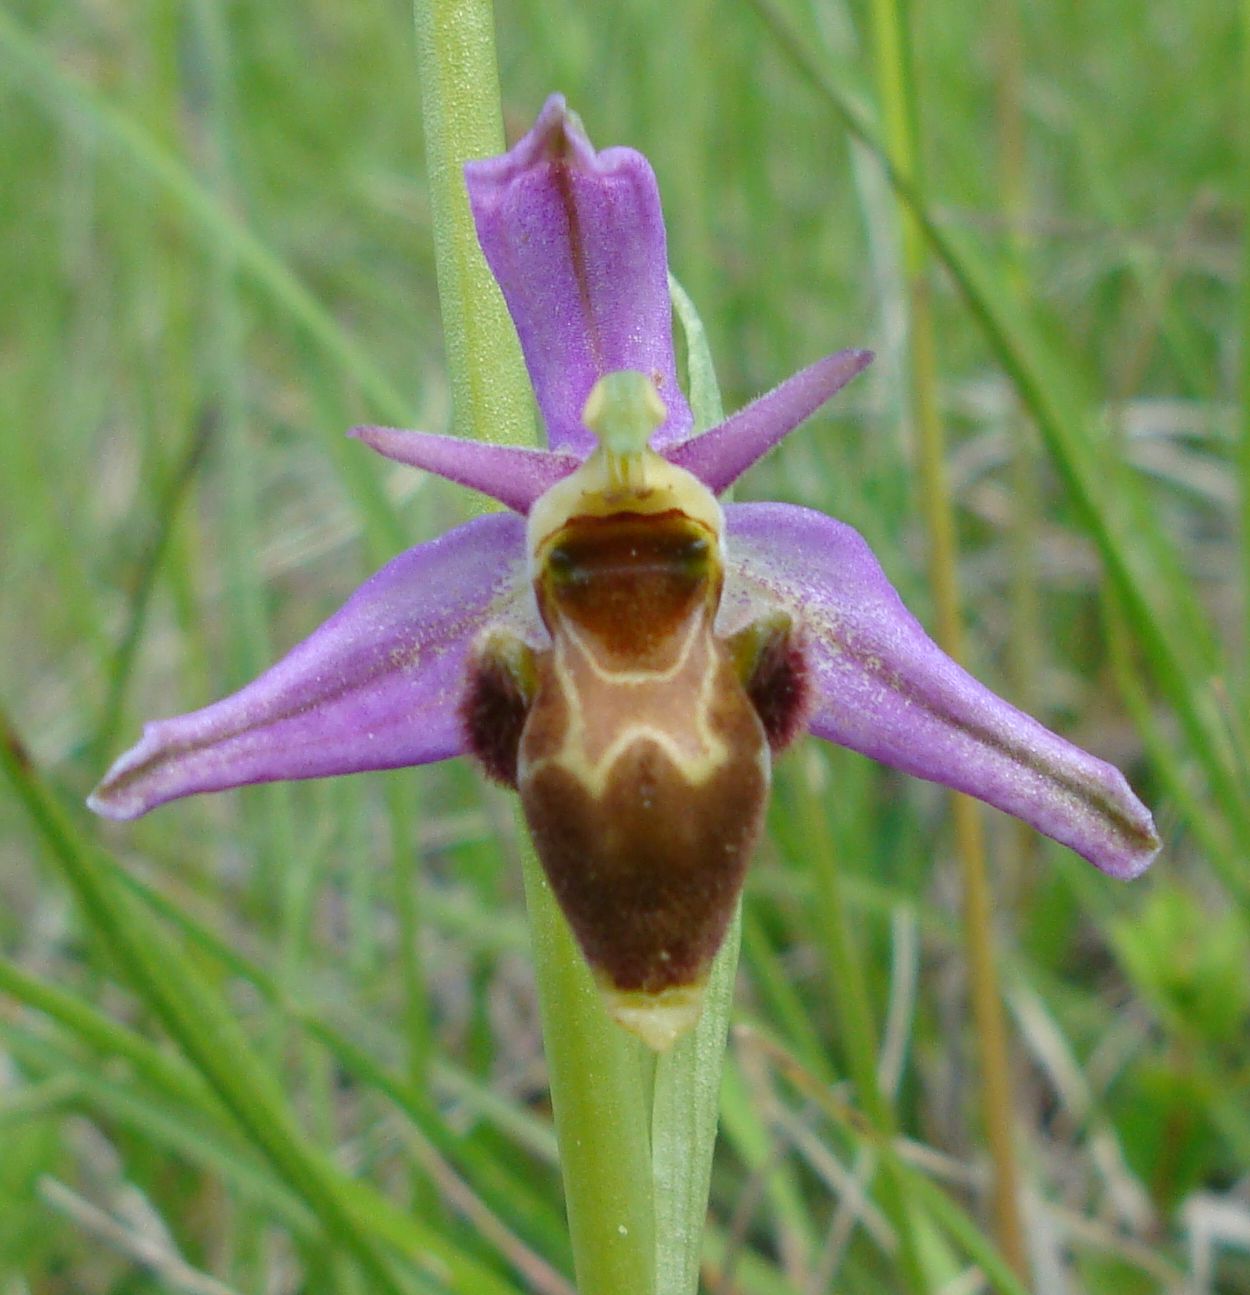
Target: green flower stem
point(895, 81)
point(597, 1076)
point(595, 1070)
point(464, 120)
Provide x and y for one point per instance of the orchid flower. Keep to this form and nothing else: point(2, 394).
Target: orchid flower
point(622, 649)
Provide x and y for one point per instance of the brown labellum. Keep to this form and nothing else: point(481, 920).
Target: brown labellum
point(643, 756)
point(643, 768)
point(640, 742)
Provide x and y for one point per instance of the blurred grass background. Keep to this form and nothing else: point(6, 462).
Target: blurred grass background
point(215, 255)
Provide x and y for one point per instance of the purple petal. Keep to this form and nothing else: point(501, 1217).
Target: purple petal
point(513, 475)
point(375, 687)
point(576, 240)
point(722, 454)
point(884, 688)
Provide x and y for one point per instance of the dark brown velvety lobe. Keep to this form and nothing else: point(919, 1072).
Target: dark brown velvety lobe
point(492, 713)
point(780, 689)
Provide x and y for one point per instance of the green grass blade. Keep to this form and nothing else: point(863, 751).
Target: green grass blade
point(204, 1029)
point(166, 1123)
point(1243, 438)
point(65, 97)
point(164, 514)
point(1024, 357)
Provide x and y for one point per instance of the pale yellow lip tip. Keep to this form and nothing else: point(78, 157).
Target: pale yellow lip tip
point(659, 1020)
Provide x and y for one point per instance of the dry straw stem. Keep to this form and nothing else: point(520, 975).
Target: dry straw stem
point(896, 87)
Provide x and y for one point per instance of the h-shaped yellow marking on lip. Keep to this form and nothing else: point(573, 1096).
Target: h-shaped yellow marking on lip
point(695, 759)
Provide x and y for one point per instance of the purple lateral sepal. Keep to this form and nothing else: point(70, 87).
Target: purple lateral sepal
point(576, 241)
point(376, 687)
point(722, 454)
point(883, 687)
point(511, 474)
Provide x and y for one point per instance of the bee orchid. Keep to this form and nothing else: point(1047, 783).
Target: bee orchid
point(622, 649)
